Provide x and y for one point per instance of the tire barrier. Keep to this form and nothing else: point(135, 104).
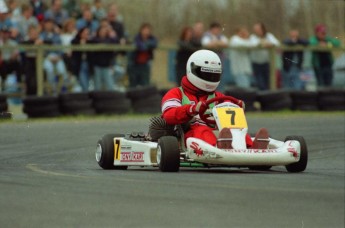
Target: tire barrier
point(110, 102)
point(4, 114)
point(145, 100)
point(304, 100)
point(331, 100)
point(274, 100)
point(38, 107)
point(148, 100)
point(76, 104)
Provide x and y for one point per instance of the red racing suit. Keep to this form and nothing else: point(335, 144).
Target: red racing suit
point(176, 103)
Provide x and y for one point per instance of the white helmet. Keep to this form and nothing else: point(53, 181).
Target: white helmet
point(204, 69)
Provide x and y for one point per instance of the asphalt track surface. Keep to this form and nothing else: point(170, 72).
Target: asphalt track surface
point(49, 178)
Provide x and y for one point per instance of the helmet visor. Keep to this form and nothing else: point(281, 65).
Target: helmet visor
point(205, 73)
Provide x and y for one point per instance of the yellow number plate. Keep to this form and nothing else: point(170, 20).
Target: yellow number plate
point(231, 117)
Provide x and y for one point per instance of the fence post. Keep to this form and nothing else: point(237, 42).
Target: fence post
point(39, 70)
point(273, 80)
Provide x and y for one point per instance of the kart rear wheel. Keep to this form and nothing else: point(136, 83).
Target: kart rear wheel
point(105, 152)
point(301, 165)
point(168, 154)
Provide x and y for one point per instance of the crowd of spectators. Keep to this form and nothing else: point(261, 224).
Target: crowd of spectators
point(250, 68)
point(36, 23)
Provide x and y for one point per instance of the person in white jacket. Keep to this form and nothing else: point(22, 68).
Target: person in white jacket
point(239, 59)
point(260, 58)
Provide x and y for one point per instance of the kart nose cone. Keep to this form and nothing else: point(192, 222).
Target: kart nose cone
point(98, 152)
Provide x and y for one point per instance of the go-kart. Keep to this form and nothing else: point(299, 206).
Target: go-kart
point(170, 151)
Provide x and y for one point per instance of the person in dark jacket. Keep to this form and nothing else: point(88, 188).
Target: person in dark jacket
point(185, 49)
point(81, 61)
point(104, 60)
point(292, 61)
point(29, 60)
point(323, 60)
point(139, 61)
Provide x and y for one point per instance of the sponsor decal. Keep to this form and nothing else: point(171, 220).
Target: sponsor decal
point(132, 157)
point(293, 151)
point(126, 147)
point(197, 150)
point(210, 70)
point(251, 151)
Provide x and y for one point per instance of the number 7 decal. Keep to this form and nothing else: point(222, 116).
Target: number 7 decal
point(233, 114)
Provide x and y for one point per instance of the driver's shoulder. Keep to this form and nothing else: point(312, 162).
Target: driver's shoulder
point(174, 93)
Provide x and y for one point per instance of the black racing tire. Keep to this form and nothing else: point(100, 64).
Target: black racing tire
point(69, 97)
point(105, 95)
point(301, 165)
point(80, 112)
point(5, 115)
point(305, 107)
point(260, 167)
point(268, 97)
point(168, 154)
point(3, 107)
point(140, 92)
point(41, 109)
point(147, 110)
point(285, 103)
point(50, 114)
point(76, 104)
point(304, 97)
point(3, 98)
point(113, 107)
point(39, 101)
point(105, 158)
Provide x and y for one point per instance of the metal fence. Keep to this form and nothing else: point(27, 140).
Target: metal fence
point(42, 49)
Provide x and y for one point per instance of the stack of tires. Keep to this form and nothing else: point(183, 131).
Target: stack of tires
point(110, 102)
point(274, 100)
point(3, 103)
point(45, 106)
point(249, 96)
point(76, 104)
point(145, 99)
point(304, 100)
point(4, 114)
point(331, 100)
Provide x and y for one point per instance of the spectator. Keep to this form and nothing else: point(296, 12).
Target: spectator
point(29, 60)
point(260, 58)
point(15, 10)
point(139, 62)
point(9, 58)
point(116, 24)
point(185, 49)
point(5, 20)
point(82, 60)
point(103, 60)
point(26, 20)
point(69, 31)
point(53, 63)
point(322, 61)
point(215, 40)
point(88, 21)
point(56, 13)
point(198, 32)
point(292, 61)
point(98, 10)
point(39, 8)
point(239, 59)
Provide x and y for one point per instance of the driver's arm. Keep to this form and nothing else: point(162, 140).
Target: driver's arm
point(173, 111)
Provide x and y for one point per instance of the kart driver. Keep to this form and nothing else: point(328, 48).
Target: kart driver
point(182, 104)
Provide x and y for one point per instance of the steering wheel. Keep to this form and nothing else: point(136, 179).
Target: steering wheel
point(205, 116)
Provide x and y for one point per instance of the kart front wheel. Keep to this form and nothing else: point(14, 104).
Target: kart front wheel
point(105, 152)
point(168, 154)
point(301, 165)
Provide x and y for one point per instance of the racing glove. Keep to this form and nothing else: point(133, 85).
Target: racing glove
point(195, 109)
